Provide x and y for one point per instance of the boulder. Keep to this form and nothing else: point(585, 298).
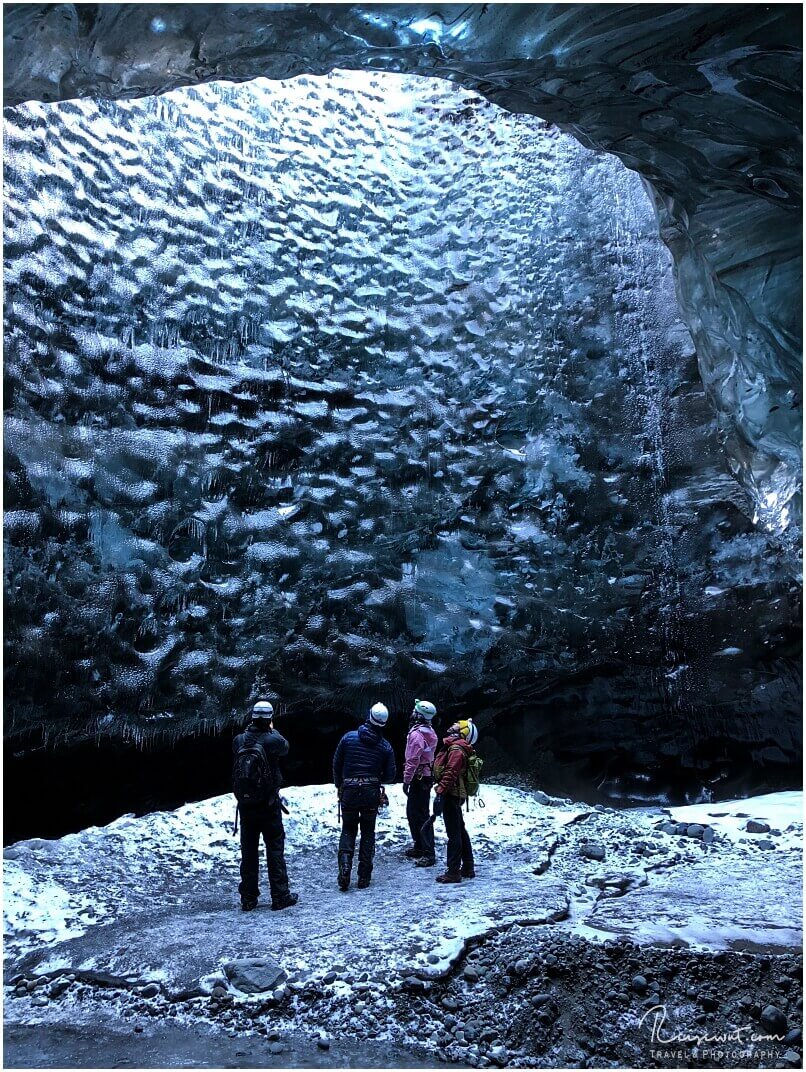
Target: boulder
point(755, 827)
point(254, 975)
point(592, 850)
point(773, 1020)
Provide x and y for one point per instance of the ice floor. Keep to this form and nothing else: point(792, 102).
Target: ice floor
point(155, 898)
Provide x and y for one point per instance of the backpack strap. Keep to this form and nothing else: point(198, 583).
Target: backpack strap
point(460, 778)
point(272, 770)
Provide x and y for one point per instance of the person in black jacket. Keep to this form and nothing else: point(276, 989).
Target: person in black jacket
point(264, 818)
point(362, 762)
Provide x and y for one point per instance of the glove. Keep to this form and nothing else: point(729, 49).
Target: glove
point(406, 788)
point(438, 804)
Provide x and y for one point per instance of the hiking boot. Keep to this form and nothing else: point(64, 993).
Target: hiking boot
point(426, 861)
point(363, 880)
point(413, 854)
point(449, 876)
point(468, 872)
point(248, 906)
point(345, 866)
point(287, 902)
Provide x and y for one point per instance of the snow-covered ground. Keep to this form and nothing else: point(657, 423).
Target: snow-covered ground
point(783, 812)
point(742, 892)
point(155, 898)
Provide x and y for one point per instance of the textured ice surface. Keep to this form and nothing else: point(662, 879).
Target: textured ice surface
point(360, 385)
point(702, 99)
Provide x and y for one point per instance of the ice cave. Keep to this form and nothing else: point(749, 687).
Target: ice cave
point(368, 384)
point(359, 353)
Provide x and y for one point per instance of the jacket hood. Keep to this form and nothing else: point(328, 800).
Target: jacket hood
point(455, 739)
point(423, 727)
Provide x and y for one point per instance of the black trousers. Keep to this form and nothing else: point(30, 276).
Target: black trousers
point(460, 851)
point(265, 822)
point(359, 810)
point(417, 813)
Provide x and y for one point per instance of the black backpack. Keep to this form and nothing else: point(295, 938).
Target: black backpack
point(253, 780)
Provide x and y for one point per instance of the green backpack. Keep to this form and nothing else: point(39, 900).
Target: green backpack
point(469, 784)
point(473, 775)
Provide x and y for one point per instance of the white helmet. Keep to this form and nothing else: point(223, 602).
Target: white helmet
point(263, 710)
point(378, 714)
point(425, 709)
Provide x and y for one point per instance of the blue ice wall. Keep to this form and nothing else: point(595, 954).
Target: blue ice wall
point(359, 386)
point(703, 100)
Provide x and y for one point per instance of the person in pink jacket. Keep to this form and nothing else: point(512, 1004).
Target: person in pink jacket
point(421, 744)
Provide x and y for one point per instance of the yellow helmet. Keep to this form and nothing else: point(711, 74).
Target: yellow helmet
point(467, 728)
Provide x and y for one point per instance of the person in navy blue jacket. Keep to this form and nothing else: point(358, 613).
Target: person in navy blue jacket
point(363, 761)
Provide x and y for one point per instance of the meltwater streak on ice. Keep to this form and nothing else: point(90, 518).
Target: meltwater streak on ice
point(326, 382)
point(648, 392)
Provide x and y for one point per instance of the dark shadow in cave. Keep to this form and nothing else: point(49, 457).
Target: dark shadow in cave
point(42, 800)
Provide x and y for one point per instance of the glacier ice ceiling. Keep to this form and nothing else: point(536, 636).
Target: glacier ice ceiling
point(362, 385)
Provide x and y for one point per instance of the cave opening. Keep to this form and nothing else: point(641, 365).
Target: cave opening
point(356, 387)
